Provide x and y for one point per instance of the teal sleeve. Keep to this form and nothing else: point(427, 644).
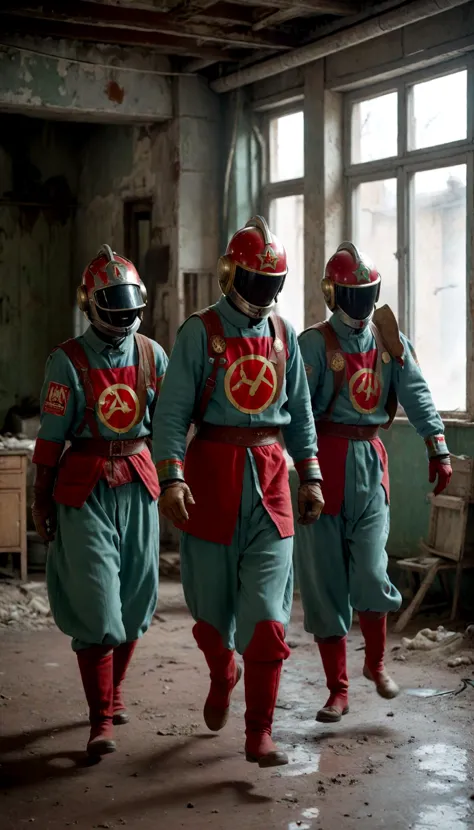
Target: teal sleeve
point(161, 362)
point(300, 433)
point(415, 397)
point(175, 407)
point(58, 402)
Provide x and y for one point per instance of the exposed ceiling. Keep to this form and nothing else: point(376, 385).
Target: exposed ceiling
point(195, 34)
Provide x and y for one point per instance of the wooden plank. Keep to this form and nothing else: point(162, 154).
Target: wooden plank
point(415, 604)
point(448, 527)
point(110, 34)
point(99, 14)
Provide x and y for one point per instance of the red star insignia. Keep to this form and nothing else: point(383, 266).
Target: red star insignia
point(268, 259)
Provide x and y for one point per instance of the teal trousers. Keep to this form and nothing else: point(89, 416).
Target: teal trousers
point(233, 587)
point(102, 567)
point(341, 561)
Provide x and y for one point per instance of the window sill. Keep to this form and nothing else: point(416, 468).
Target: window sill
point(448, 421)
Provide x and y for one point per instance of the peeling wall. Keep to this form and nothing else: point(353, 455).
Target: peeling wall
point(38, 189)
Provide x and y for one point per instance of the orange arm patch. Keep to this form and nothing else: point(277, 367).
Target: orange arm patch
point(56, 400)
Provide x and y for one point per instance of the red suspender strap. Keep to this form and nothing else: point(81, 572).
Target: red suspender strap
point(279, 350)
point(146, 376)
point(335, 361)
point(216, 349)
point(78, 358)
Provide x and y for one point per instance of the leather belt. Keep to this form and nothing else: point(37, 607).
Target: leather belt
point(240, 436)
point(108, 449)
point(350, 431)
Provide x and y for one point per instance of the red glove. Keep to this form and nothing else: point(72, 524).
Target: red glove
point(440, 467)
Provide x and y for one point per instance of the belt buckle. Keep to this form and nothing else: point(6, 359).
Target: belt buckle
point(116, 447)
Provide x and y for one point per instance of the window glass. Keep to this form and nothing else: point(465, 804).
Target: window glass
point(438, 111)
point(438, 280)
point(375, 128)
point(287, 222)
point(375, 233)
point(287, 147)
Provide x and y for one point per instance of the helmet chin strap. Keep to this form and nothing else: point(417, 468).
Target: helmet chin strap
point(358, 325)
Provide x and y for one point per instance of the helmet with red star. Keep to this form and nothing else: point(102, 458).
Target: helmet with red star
point(351, 283)
point(112, 294)
point(252, 272)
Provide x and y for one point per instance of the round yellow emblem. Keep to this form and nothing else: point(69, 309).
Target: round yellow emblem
point(338, 362)
point(251, 383)
point(218, 344)
point(365, 391)
point(386, 357)
point(278, 345)
point(118, 408)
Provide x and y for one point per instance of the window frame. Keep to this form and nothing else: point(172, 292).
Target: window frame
point(403, 167)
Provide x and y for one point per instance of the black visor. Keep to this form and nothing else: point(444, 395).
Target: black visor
point(357, 301)
point(119, 298)
point(257, 289)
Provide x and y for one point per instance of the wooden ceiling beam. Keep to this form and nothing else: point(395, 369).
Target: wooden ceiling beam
point(337, 7)
point(86, 12)
point(17, 24)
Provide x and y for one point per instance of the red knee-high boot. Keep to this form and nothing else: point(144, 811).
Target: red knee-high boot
point(263, 660)
point(122, 656)
point(224, 674)
point(334, 658)
point(96, 667)
point(374, 629)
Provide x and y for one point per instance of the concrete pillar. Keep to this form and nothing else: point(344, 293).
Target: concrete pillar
point(324, 192)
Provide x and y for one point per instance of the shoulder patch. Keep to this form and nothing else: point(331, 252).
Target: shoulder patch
point(57, 398)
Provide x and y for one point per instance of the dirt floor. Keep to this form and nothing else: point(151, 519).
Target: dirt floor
point(402, 764)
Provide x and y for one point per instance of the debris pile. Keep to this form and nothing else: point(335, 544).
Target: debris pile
point(440, 644)
point(24, 606)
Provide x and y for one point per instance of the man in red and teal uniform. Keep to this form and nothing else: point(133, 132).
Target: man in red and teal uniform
point(237, 373)
point(358, 367)
point(96, 503)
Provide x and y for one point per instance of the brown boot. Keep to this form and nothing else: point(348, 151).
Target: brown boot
point(333, 656)
point(262, 680)
point(374, 629)
point(224, 673)
point(122, 656)
point(96, 667)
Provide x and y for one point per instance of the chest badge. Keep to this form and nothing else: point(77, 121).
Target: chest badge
point(251, 384)
point(365, 391)
point(338, 362)
point(118, 408)
point(278, 345)
point(218, 344)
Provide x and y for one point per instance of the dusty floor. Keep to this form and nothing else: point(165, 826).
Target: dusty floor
point(395, 765)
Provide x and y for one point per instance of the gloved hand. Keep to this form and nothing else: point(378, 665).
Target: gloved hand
point(43, 508)
point(440, 468)
point(173, 502)
point(310, 502)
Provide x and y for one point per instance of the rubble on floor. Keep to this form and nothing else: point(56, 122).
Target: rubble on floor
point(452, 648)
point(24, 606)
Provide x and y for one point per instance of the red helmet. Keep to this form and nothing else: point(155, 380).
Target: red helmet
point(112, 294)
point(252, 272)
point(351, 283)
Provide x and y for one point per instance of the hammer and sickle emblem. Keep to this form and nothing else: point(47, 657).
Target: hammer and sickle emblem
point(247, 389)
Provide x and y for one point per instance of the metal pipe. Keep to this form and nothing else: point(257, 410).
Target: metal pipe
point(360, 33)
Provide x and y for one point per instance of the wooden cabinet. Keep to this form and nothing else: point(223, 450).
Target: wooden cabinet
point(13, 507)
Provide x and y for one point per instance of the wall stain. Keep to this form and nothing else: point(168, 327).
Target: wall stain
point(115, 92)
